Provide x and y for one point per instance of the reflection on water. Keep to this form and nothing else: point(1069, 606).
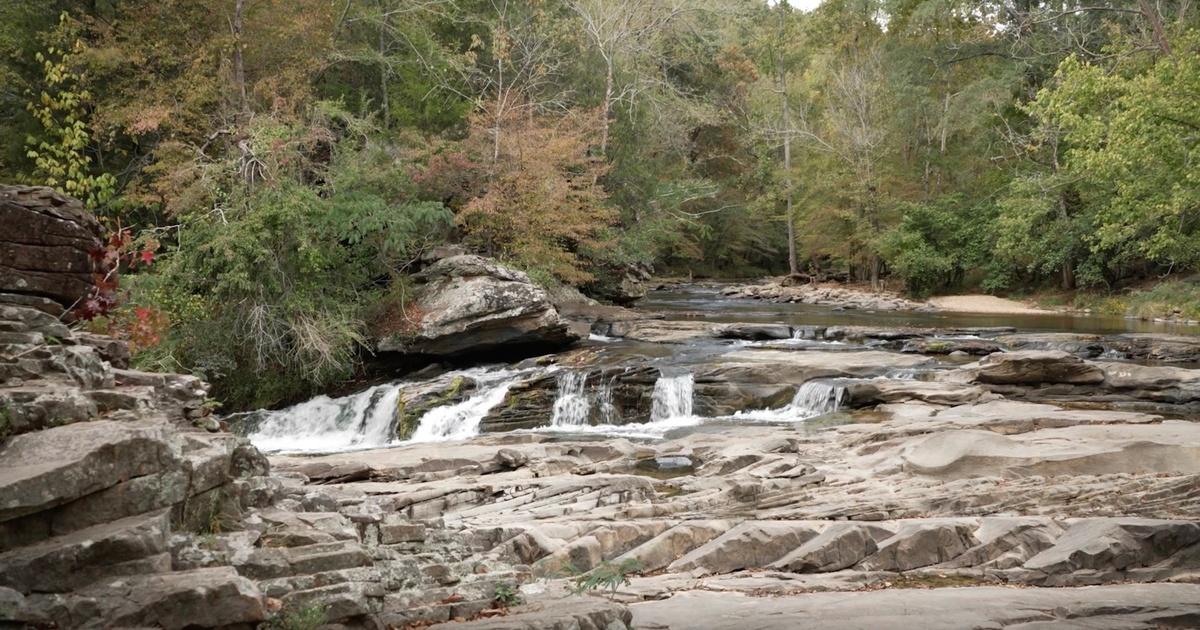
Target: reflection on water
point(705, 302)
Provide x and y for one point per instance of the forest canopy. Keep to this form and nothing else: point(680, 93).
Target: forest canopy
point(286, 161)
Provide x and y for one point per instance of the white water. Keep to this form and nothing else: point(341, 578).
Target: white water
point(460, 420)
point(604, 399)
point(572, 405)
point(815, 398)
point(672, 398)
point(362, 420)
point(367, 419)
point(812, 399)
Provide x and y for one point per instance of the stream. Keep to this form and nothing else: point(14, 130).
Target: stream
point(590, 399)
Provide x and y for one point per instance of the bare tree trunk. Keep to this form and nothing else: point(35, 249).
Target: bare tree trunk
point(384, 70)
point(1068, 268)
point(239, 66)
point(793, 265)
point(608, 95)
point(1156, 25)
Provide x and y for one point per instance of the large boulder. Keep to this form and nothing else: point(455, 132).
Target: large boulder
point(469, 304)
point(47, 248)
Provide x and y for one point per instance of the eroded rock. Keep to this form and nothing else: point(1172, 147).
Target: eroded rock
point(470, 304)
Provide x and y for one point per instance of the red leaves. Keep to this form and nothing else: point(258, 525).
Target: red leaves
point(119, 248)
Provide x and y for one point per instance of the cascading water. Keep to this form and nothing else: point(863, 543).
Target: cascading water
point(363, 420)
point(812, 399)
point(571, 407)
point(672, 398)
point(604, 400)
point(368, 418)
point(461, 420)
point(816, 398)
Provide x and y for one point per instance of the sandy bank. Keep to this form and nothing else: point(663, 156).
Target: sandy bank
point(984, 304)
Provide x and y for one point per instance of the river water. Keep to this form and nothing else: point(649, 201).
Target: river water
point(368, 419)
point(704, 301)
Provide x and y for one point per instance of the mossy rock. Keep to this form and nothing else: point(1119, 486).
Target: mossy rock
point(410, 412)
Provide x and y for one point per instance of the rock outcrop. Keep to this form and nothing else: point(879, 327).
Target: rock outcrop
point(48, 249)
point(468, 304)
point(99, 468)
point(123, 504)
point(827, 294)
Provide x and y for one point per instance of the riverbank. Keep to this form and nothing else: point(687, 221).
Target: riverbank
point(985, 304)
point(1175, 301)
point(862, 297)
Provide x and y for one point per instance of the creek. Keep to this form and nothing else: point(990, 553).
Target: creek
point(592, 395)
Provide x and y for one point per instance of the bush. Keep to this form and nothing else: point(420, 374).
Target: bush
point(1174, 298)
point(268, 289)
point(936, 243)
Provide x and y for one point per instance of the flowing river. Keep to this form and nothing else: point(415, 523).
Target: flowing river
point(585, 398)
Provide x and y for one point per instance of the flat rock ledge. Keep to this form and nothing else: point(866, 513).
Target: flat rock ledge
point(777, 290)
point(124, 504)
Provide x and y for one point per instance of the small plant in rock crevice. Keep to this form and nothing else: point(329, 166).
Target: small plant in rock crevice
point(506, 596)
point(605, 576)
point(307, 618)
point(6, 422)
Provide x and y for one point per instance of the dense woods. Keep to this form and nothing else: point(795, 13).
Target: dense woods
point(280, 164)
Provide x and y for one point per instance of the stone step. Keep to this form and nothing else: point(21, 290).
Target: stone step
point(269, 562)
point(751, 544)
point(597, 545)
point(660, 551)
point(41, 470)
point(578, 613)
point(203, 598)
point(137, 544)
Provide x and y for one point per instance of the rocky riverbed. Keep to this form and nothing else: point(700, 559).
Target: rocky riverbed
point(704, 461)
point(689, 473)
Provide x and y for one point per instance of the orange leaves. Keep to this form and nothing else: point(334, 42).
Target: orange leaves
point(147, 120)
point(543, 204)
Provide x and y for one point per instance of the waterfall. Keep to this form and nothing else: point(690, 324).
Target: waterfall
point(812, 399)
point(366, 419)
point(604, 400)
point(571, 406)
point(815, 398)
point(672, 398)
point(460, 420)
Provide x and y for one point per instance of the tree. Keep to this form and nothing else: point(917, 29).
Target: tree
point(543, 208)
point(62, 107)
point(625, 33)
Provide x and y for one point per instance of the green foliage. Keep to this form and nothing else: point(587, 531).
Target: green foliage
point(60, 152)
point(308, 617)
point(1178, 299)
point(936, 243)
point(268, 293)
point(506, 596)
point(1134, 149)
point(606, 575)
